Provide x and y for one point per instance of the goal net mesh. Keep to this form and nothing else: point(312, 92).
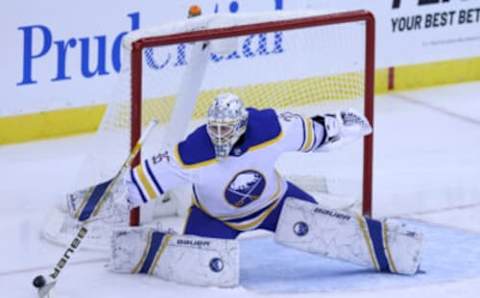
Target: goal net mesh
point(306, 70)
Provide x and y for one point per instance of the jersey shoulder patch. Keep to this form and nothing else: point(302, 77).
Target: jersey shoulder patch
point(196, 148)
point(263, 127)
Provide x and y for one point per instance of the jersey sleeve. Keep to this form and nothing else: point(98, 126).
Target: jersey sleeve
point(301, 133)
point(155, 176)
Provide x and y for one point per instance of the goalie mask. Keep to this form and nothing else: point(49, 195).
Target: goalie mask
point(226, 123)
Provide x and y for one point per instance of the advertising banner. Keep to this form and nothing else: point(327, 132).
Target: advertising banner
point(62, 54)
point(419, 31)
point(59, 54)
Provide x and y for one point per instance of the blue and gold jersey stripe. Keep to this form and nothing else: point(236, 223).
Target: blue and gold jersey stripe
point(152, 177)
point(212, 161)
point(148, 186)
point(244, 223)
point(304, 132)
point(309, 135)
point(267, 143)
point(184, 165)
point(252, 222)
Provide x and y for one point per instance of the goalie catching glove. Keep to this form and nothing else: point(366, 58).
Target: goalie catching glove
point(342, 127)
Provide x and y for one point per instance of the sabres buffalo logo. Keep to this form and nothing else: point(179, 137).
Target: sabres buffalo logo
point(244, 188)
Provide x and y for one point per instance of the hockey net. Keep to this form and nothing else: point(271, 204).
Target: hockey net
point(303, 62)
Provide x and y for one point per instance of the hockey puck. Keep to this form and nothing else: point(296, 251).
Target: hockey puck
point(194, 11)
point(39, 281)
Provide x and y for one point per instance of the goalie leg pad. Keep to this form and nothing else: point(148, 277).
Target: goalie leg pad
point(83, 203)
point(185, 259)
point(100, 201)
point(387, 246)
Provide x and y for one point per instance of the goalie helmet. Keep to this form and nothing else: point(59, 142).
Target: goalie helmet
point(226, 123)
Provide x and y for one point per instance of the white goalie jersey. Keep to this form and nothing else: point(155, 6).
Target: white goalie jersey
point(239, 185)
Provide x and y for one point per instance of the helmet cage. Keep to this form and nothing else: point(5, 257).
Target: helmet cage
point(224, 135)
point(226, 123)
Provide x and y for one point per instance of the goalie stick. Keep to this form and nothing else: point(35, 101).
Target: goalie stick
point(45, 284)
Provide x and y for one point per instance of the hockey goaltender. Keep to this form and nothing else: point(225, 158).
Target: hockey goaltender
point(230, 163)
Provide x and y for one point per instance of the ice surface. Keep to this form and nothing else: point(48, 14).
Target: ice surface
point(448, 255)
point(427, 168)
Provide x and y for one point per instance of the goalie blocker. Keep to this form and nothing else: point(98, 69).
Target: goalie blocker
point(387, 246)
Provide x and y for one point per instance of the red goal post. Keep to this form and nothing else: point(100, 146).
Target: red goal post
point(139, 45)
